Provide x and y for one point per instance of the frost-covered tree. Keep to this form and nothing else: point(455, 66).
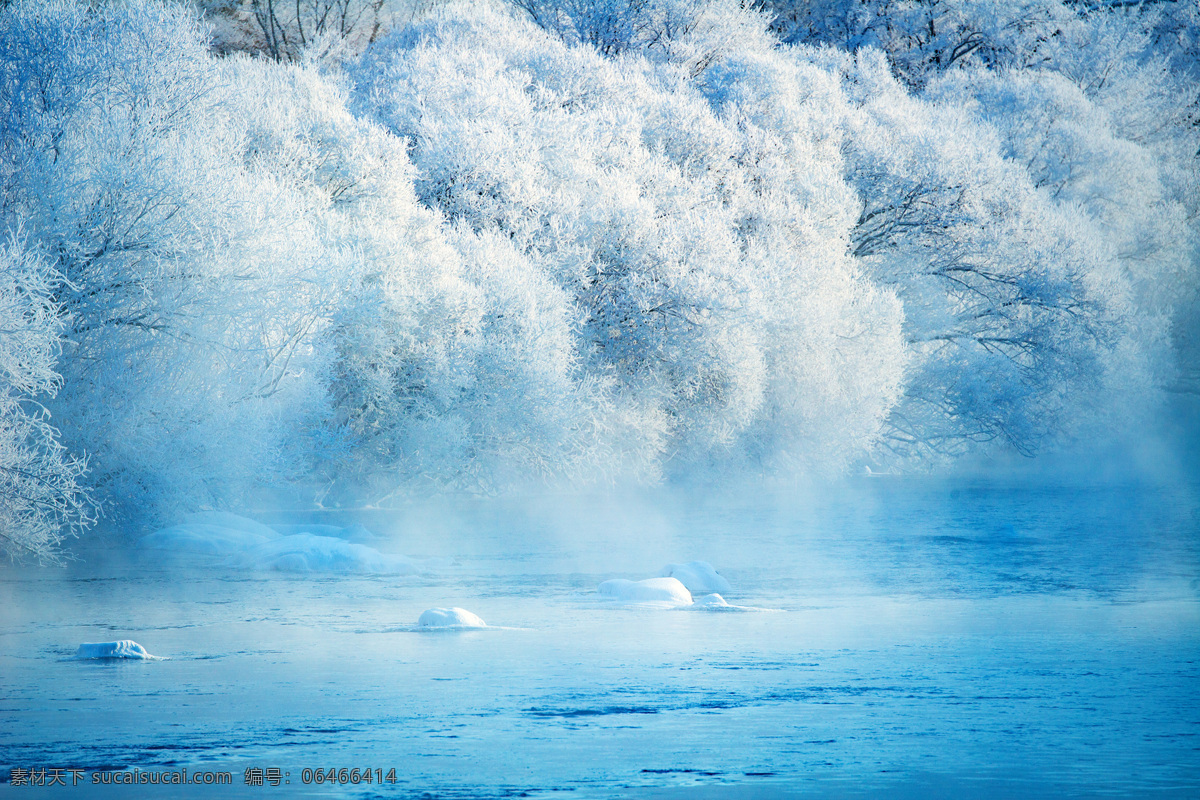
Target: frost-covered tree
point(115, 166)
point(925, 37)
point(1111, 81)
point(578, 240)
point(252, 293)
point(691, 33)
point(42, 498)
point(1123, 87)
point(1022, 307)
point(445, 358)
point(196, 268)
point(455, 368)
point(1015, 300)
point(705, 252)
point(288, 28)
point(313, 30)
point(1074, 152)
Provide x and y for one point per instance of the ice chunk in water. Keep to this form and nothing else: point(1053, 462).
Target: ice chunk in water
point(126, 648)
point(450, 618)
point(697, 576)
point(651, 590)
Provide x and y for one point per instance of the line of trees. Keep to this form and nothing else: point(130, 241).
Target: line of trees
point(577, 240)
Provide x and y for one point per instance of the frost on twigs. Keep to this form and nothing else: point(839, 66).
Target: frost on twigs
point(695, 246)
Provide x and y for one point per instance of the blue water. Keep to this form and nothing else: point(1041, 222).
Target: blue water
point(928, 639)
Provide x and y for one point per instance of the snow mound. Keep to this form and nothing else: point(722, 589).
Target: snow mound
point(355, 533)
point(315, 528)
point(300, 548)
point(304, 552)
point(712, 601)
point(652, 590)
point(449, 618)
point(226, 520)
point(697, 576)
point(210, 534)
point(126, 648)
point(359, 535)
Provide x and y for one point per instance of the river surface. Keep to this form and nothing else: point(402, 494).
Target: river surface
point(924, 639)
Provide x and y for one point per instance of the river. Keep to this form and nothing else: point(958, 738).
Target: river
point(917, 638)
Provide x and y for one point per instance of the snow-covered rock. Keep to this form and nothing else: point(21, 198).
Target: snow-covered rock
point(304, 552)
point(697, 576)
point(712, 601)
point(449, 618)
point(126, 648)
point(652, 590)
point(210, 534)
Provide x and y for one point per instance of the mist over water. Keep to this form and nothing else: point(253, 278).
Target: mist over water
point(925, 638)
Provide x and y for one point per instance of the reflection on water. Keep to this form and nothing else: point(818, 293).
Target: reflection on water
point(932, 640)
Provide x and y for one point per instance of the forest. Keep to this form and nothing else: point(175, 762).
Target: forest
point(337, 252)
